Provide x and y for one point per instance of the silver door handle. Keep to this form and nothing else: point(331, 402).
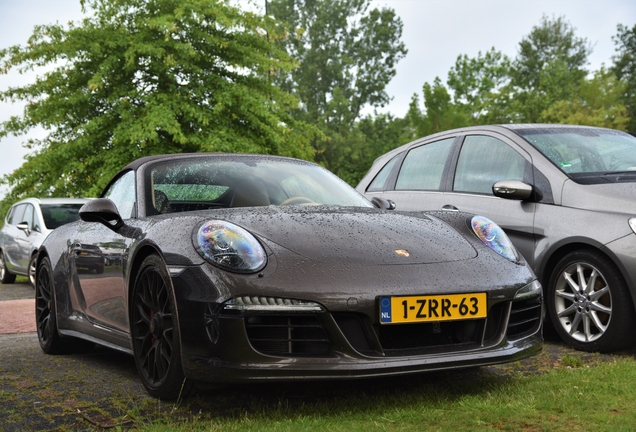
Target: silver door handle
point(449, 207)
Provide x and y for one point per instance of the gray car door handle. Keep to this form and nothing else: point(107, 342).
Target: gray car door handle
point(450, 208)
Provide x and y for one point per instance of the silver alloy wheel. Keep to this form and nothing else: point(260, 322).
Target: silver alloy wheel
point(32, 270)
point(583, 302)
point(3, 269)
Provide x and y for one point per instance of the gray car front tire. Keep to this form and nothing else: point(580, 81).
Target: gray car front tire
point(589, 303)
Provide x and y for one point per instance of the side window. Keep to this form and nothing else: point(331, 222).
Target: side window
point(9, 215)
point(423, 166)
point(122, 193)
point(483, 161)
point(18, 214)
point(28, 216)
point(380, 180)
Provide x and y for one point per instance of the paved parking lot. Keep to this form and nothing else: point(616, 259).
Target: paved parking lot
point(99, 388)
point(17, 308)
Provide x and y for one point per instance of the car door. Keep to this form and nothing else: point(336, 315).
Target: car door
point(15, 240)
point(484, 160)
point(98, 290)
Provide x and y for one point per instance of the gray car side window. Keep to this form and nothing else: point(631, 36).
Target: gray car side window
point(122, 193)
point(18, 214)
point(485, 160)
point(28, 216)
point(423, 166)
point(379, 183)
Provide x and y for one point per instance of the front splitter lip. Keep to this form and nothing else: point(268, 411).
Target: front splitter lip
point(219, 371)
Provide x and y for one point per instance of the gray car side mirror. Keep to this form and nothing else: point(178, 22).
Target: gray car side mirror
point(512, 189)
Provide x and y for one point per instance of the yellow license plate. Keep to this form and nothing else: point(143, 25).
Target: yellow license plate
point(449, 307)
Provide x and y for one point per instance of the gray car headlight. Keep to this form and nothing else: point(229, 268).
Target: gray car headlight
point(270, 304)
point(229, 247)
point(494, 237)
point(632, 224)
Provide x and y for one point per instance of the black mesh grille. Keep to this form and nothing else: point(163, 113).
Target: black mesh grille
point(287, 335)
point(422, 338)
point(525, 318)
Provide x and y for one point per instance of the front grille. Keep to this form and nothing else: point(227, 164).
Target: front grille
point(525, 318)
point(287, 335)
point(425, 338)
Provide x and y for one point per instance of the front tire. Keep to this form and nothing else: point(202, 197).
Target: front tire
point(155, 332)
point(589, 303)
point(5, 276)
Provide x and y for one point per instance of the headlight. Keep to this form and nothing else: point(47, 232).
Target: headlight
point(632, 224)
point(229, 247)
point(494, 237)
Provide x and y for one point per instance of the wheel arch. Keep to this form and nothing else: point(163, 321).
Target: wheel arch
point(552, 259)
point(143, 252)
point(140, 255)
point(41, 253)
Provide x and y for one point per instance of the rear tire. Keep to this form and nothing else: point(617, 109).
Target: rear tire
point(45, 311)
point(589, 303)
point(6, 277)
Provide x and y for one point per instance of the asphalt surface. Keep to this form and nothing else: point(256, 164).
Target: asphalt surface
point(99, 389)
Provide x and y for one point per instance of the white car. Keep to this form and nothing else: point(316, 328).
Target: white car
point(27, 224)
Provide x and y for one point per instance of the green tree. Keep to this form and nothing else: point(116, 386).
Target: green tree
point(598, 103)
point(477, 85)
point(371, 137)
point(439, 113)
point(625, 69)
point(142, 77)
point(550, 64)
point(346, 53)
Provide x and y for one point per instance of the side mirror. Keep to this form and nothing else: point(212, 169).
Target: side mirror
point(101, 210)
point(512, 189)
point(24, 226)
point(383, 204)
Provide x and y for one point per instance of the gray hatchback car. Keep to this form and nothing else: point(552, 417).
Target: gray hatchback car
point(565, 195)
point(27, 224)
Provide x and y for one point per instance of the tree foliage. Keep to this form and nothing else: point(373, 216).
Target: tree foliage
point(346, 53)
point(142, 77)
point(625, 69)
point(477, 84)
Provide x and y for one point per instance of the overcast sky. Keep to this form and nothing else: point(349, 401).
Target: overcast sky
point(435, 33)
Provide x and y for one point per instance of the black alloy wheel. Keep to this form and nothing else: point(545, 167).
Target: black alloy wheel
point(155, 332)
point(589, 304)
point(45, 317)
point(5, 276)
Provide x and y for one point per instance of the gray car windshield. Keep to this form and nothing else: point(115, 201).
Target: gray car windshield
point(585, 152)
point(202, 183)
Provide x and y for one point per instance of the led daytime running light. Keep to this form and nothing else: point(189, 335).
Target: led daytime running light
point(271, 304)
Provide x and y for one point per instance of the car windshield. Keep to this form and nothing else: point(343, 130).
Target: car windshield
point(56, 215)
point(585, 152)
point(202, 183)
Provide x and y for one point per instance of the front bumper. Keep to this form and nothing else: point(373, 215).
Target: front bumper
point(220, 348)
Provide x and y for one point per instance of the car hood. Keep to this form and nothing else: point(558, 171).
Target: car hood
point(357, 235)
point(607, 197)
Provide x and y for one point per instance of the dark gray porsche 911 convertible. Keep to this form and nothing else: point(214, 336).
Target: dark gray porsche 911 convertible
point(236, 268)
